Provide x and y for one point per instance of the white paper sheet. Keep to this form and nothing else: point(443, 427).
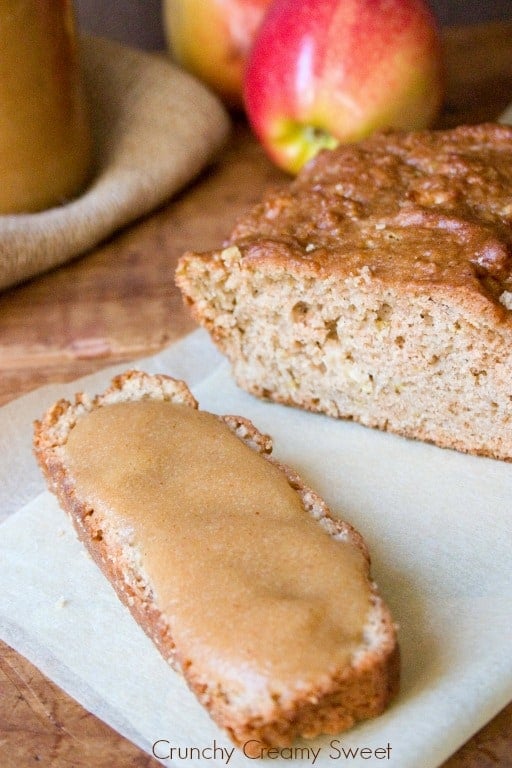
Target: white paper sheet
point(439, 529)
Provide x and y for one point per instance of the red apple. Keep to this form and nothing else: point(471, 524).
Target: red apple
point(211, 39)
point(327, 71)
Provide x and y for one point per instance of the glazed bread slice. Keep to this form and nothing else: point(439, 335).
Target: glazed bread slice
point(259, 596)
point(377, 287)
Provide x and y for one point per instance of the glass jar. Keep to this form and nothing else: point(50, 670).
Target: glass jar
point(45, 141)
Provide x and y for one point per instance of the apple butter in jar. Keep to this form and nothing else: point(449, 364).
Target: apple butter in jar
point(45, 140)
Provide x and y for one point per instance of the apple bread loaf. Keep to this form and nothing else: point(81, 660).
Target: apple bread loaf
point(236, 570)
point(377, 287)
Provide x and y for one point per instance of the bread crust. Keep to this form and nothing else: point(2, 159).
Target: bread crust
point(357, 692)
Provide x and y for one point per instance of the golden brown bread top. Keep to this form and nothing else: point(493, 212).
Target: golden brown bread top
point(428, 208)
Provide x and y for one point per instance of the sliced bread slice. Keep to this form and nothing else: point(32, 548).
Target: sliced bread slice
point(237, 570)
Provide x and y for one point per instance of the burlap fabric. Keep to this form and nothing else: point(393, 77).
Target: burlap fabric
point(155, 128)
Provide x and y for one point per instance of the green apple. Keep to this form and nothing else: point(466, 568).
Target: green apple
point(211, 39)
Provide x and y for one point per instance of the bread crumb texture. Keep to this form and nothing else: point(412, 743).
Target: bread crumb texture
point(377, 287)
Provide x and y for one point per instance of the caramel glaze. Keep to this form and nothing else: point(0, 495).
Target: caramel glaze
point(430, 207)
point(255, 590)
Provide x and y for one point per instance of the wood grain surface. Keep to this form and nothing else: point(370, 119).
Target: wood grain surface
point(119, 303)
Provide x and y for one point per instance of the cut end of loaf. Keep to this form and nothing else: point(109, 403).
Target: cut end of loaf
point(376, 287)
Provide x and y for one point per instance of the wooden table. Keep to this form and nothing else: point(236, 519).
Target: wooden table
point(119, 303)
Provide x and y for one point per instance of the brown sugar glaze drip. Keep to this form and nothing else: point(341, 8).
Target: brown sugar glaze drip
point(255, 591)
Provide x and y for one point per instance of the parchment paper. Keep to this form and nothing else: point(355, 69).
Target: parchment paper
point(438, 527)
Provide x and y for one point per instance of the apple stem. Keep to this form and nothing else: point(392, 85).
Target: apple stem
point(300, 142)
